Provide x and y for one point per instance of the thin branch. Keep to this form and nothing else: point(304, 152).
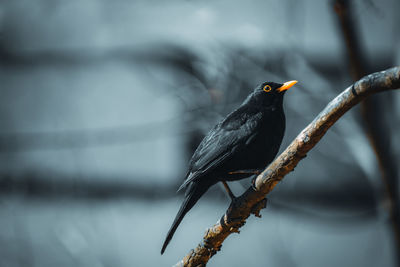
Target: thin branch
point(253, 200)
point(355, 52)
point(375, 126)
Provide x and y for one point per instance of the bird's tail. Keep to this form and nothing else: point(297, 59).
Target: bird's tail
point(193, 193)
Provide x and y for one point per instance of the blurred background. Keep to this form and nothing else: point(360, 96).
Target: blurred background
point(102, 104)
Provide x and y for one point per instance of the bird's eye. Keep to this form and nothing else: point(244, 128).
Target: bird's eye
point(267, 88)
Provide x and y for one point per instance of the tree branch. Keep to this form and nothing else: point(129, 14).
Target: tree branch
point(374, 124)
point(253, 200)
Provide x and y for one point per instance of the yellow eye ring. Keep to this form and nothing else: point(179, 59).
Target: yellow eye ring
point(267, 88)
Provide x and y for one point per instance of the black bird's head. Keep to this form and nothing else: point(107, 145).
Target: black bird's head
point(269, 94)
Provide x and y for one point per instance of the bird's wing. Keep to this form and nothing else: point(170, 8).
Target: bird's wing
point(223, 141)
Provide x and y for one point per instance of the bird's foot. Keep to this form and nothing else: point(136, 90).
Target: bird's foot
point(234, 220)
point(253, 183)
point(258, 207)
point(229, 191)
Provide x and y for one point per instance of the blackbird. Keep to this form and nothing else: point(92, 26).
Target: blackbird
point(239, 146)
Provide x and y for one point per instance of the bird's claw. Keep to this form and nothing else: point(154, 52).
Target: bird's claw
point(258, 207)
point(253, 183)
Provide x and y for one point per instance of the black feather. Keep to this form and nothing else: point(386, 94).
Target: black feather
point(193, 193)
point(247, 139)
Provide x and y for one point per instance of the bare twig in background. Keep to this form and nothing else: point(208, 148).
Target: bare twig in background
point(357, 61)
point(253, 200)
point(375, 127)
point(38, 184)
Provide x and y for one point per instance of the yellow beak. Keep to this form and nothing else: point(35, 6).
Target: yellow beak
point(286, 86)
